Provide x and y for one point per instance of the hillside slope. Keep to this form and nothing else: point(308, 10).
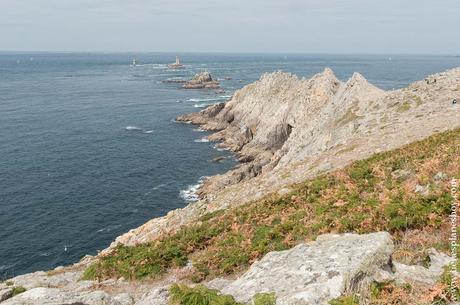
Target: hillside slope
point(405, 192)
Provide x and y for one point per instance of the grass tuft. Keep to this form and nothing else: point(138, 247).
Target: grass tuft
point(404, 106)
point(199, 295)
point(264, 299)
point(345, 300)
point(17, 290)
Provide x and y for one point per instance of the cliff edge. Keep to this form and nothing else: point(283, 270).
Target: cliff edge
point(285, 130)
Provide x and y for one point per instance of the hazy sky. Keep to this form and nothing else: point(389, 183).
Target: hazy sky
point(303, 26)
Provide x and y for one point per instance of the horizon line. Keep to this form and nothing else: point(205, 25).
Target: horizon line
point(227, 52)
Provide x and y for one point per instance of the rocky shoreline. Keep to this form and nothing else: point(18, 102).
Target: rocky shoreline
point(332, 124)
point(272, 130)
point(284, 130)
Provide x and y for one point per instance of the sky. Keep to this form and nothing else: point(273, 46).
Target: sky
point(274, 26)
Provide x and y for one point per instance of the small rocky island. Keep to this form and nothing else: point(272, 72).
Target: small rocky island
point(202, 80)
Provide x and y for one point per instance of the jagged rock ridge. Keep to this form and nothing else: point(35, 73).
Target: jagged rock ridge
point(285, 130)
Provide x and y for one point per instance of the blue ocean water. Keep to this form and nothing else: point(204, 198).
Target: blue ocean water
point(89, 148)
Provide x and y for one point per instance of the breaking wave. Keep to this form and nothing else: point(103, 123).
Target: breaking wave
point(212, 99)
point(190, 193)
point(216, 147)
point(133, 128)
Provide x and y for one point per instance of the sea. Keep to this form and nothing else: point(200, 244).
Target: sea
point(89, 147)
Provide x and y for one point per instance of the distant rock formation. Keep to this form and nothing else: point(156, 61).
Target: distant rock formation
point(202, 80)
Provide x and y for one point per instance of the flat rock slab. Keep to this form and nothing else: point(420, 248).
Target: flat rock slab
point(316, 272)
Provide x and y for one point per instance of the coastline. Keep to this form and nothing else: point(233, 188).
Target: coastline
point(263, 170)
point(335, 123)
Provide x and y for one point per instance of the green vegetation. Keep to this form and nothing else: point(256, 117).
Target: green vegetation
point(376, 194)
point(404, 106)
point(17, 290)
point(418, 100)
point(9, 283)
point(152, 259)
point(345, 300)
point(199, 295)
point(349, 116)
point(264, 299)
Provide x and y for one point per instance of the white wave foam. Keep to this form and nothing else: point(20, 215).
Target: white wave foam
point(158, 66)
point(216, 147)
point(197, 100)
point(202, 140)
point(159, 186)
point(148, 131)
point(108, 228)
point(190, 193)
point(212, 99)
point(132, 128)
point(199, 130)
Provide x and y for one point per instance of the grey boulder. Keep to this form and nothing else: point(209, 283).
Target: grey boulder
point(319, 271)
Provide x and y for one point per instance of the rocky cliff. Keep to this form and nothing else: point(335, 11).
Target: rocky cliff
point(285, 130)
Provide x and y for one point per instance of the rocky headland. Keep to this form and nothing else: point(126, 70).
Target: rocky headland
point(341, 197)
point(285, 130)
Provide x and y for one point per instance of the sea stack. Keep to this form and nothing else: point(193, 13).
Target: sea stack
point(202, 80)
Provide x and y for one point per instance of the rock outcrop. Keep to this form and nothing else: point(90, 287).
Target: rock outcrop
point(202, 80)
point(317, 272)
point(286, 130)
point(280, 121)
point(419, 274)
point(311, 273)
